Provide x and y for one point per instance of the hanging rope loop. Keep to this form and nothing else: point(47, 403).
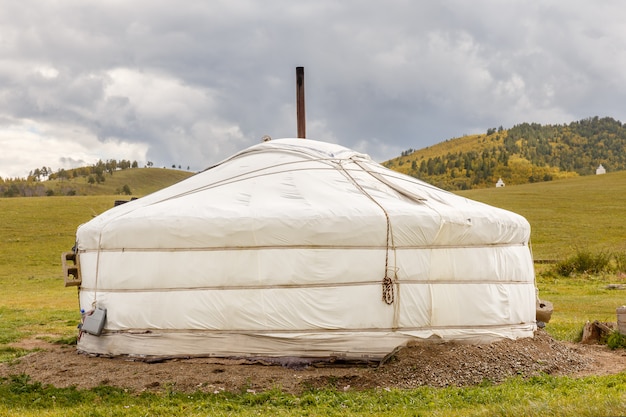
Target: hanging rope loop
point(388, 290)
point(388, 296)
point(388, 282)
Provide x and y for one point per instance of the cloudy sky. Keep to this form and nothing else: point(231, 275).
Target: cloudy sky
point(191, 82)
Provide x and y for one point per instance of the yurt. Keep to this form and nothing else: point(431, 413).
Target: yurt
point(300, 248)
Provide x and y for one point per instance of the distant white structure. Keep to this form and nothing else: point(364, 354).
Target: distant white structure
point(600, 170)
point(500, 183)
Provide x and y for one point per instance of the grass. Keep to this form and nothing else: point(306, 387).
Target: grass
point(578, 300)
point(538, 396)
point(565, 215)
point(583, 213)
point(34, 302)
point(34, 234)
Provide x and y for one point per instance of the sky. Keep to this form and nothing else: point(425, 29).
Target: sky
point(189, 83)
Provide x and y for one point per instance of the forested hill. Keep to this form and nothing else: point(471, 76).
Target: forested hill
point(528, 152)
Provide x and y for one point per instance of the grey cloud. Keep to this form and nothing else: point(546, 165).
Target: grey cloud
point(382, 76)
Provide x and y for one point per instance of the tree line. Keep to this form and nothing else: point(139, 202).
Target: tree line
point(528, 152)
point(34, 185)
point(97, 171)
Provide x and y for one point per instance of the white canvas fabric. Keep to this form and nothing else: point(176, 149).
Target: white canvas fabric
point(283, 250)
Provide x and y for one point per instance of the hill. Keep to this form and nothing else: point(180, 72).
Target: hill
point(129, 182)
point(526, 153)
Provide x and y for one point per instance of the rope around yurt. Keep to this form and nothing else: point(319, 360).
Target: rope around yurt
point(388, 282)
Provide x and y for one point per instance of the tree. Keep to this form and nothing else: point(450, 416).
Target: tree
point(111, 166)
point(62, 174)
point(12, 191)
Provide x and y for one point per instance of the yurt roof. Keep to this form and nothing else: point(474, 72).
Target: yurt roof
point(339, 195)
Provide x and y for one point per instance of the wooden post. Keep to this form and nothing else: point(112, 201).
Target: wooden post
point(300, 115)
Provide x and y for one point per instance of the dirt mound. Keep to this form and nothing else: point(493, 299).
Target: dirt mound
point(418, 364)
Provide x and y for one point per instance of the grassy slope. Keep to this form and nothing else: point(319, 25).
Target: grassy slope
point(141, 181)
point(567, 215)
point(35, 232)
point(517, 170)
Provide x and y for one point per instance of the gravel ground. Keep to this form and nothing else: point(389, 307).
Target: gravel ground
point(418, 364)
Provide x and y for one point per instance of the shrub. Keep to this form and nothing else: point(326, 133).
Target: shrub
point(619, 260)
point(585, 262)
point(616, 340)
point(124, 190)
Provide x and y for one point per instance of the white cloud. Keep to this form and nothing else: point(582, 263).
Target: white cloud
point(180, 122)
point(27, 145)
point(48, 72)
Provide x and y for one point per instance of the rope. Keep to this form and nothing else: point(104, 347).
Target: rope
point(95, 293)
point(387, 290)
point(387, 282)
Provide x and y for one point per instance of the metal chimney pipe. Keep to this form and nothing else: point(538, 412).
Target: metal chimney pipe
point(300, 115)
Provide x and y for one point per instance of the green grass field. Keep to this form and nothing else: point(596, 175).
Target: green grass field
point(565, 216)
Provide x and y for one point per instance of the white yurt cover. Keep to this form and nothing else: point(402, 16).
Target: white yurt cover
point(300, 248)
